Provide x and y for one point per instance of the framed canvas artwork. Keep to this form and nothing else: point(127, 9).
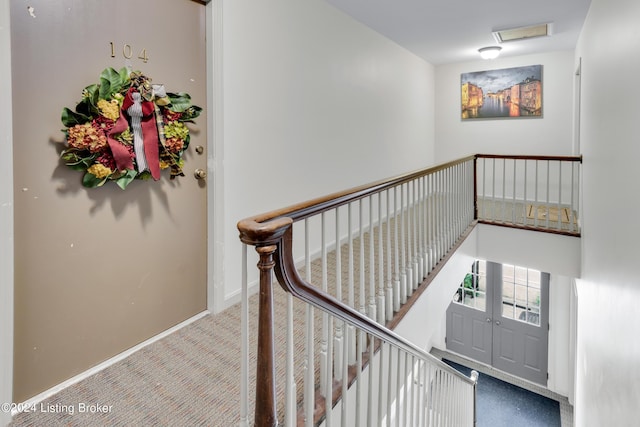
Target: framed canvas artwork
point(503, 93)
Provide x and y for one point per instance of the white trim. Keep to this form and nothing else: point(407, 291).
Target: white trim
point(107, 363)
point(215, 160)
point(6, 215)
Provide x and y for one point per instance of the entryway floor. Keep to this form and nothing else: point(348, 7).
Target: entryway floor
point(566, 410)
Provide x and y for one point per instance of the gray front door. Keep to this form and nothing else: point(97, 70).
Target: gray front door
point(499, 316)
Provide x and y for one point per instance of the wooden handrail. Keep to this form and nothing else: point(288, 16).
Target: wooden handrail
point(257, 227)
point(530, 157)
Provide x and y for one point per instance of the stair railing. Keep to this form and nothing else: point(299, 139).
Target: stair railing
point(531, 192)
point(348, 262)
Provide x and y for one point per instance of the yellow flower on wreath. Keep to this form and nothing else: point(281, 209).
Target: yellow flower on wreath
point(99, 170)
point(109, 109)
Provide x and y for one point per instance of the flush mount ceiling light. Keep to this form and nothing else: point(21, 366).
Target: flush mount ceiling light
point(490, 52)
point(521, 33)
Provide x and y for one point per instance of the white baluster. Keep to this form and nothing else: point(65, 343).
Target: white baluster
point(370, 388)
point(359, 387)
point(389, 293)
point(324, 356)
point(381, 289)
point(309, 357)
point(397, 282)
point(430, 223)
point(535, 210)
point(383, 383)
point(414, 238)
point(548, 197)
point(424, 260)
point(372, 265)
point(513, 198)
point(403, 252)
point(351, 337)
point(572, 218)
point(524, 197)
point(290, 383)
point(559, 195)
point(339, 339)
point(328, 388)
point(244, 340)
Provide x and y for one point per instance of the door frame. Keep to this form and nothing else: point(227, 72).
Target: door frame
point(215, 158)
point(6, 216)
point(215, 194)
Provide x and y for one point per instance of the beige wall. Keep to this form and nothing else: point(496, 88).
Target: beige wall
point(100, 270)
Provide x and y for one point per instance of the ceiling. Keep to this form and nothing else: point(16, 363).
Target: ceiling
point(448, 31)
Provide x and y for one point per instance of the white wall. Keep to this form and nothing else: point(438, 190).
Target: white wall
point(6, 216)
point(560, 356)
point(314, 102)
point(551, 253)
point(549, 135)
point(608, 350)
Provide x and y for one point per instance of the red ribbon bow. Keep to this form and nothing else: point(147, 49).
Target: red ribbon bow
point(121, 154)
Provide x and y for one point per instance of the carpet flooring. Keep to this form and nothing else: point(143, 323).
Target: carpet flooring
point(523, 215)
point(501, 404)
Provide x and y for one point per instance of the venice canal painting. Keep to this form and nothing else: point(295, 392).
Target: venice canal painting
point(504, 93)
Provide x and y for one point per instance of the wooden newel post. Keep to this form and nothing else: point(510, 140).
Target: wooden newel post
point(265, 375)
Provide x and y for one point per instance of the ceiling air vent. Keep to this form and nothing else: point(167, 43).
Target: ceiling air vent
point(522, 33)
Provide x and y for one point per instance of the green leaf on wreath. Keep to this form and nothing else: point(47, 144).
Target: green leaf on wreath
point(92, 181)
point(110, 82)
point(91, 95)
point(71, 118)
point(76, 161)
point(105, 88)
point(81, 165)
point(126, 179)
point(179, 101)
point(124, 75)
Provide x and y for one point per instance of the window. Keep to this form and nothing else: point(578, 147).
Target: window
point(472, 292)
point(521, 294)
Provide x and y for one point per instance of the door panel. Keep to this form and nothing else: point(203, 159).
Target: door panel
point(457, 329)
point(521, 319)
point(100, 270)
point(471, 333)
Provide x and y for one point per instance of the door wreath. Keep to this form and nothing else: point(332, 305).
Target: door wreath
point(127, 128)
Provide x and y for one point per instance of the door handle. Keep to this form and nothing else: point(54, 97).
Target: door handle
point(498, 322)
point(200, 174)
point(488, 320)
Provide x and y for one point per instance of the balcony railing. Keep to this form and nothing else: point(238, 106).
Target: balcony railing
point(350, 264)
point(534, 192)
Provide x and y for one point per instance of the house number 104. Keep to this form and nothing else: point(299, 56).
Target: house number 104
point(127, 52)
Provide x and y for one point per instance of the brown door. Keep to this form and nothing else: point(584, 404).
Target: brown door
point(99, 270)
